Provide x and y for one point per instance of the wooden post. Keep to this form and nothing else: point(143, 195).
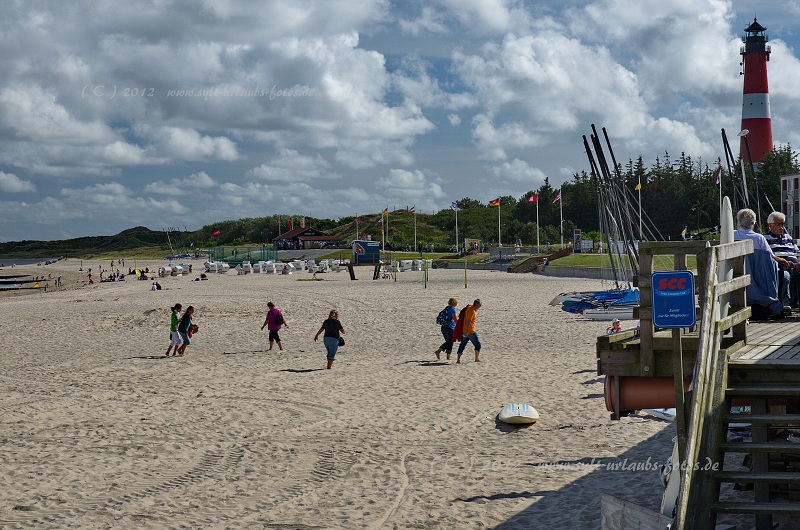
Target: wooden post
point(646, 353)
point(677, 373)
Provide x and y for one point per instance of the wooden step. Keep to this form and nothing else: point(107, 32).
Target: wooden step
point(780, 477)
point(749, 447)
point(764, 391)
point(762, 419)
point(766, 508)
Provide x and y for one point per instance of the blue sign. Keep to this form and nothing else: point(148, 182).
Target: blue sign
point(365, 251)
point(673, 299)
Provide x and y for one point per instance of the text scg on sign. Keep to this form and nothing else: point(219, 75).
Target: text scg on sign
point(673, 299)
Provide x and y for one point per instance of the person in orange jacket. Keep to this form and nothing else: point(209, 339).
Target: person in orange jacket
point(467, 324)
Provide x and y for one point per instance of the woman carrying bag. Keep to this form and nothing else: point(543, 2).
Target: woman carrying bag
point(332, 339)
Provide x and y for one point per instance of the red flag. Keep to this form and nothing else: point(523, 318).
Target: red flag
point(289, 227)
point(558, 197)
point(215, 234)
point(534, 198)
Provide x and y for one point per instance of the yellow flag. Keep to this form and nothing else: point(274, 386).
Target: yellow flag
point(638, 187)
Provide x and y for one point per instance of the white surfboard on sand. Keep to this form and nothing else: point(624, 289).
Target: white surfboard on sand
point(518, 414)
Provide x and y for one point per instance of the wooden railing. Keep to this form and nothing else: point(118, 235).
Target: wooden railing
point(704, 435)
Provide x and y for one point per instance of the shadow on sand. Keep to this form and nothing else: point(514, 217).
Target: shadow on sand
point(632, 476)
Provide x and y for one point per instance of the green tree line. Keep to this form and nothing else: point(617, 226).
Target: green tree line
point(674, 194)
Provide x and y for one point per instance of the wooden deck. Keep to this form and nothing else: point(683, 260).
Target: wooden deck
point(727, 358)
point(775, 342)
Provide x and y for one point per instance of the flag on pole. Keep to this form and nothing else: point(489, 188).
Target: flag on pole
point(719, 174)
point(495, 202)
point(638, 187)
point(215, 234)
point(410, 210)
point(558, 197)
point(289, 226)
point(302, 222)
point(385, 211)
point(534, 198)
point(454, 206)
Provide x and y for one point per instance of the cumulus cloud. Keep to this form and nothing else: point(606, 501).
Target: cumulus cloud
point(403, 185)
point(519, 171)
point(10, 183)
point(112, 115)
point(189, 144)
point(429, 20)
point(289, 166)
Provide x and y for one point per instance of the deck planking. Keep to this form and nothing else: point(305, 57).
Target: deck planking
point(773, 343)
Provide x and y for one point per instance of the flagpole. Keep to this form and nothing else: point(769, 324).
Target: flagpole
point(561, 210)
point(538, 247)
point(415, 229)
point(640, 208)
point(719, 181)
point(499, 243)
point(458, 246)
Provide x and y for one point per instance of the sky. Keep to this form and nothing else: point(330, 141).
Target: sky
point(115, 114)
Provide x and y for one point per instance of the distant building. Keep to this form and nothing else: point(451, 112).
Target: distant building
point(790, 203)
point(305, 238)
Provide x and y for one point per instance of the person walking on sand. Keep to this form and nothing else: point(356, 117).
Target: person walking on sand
point(185, 329)
point(273, 323)
point(174, 336)
point(448, 316)
point(467, 319)
point(332, 328)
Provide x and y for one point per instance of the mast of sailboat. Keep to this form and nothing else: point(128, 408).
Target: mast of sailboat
point(169, 242)
point(742, 191)
point(624, 212)
point(619, 215)
point(602, 209)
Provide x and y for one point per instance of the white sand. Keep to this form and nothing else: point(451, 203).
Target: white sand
point(99, 430)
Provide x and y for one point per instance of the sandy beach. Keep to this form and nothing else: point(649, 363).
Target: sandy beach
point(99, 430)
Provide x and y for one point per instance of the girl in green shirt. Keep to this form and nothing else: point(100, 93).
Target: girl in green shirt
point(174, 336)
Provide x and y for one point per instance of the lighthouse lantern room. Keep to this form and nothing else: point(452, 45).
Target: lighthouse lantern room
point(756, 141)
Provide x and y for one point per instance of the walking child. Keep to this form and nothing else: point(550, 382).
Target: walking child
point(174, 336)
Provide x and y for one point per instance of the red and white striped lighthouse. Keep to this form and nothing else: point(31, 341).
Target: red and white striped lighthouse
point(755, 95)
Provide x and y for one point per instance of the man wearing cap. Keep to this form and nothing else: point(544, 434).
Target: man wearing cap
point(468, 333)
point(615, 327)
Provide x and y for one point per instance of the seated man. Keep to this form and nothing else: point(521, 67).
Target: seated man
point(785, 251)
point(762, 293)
